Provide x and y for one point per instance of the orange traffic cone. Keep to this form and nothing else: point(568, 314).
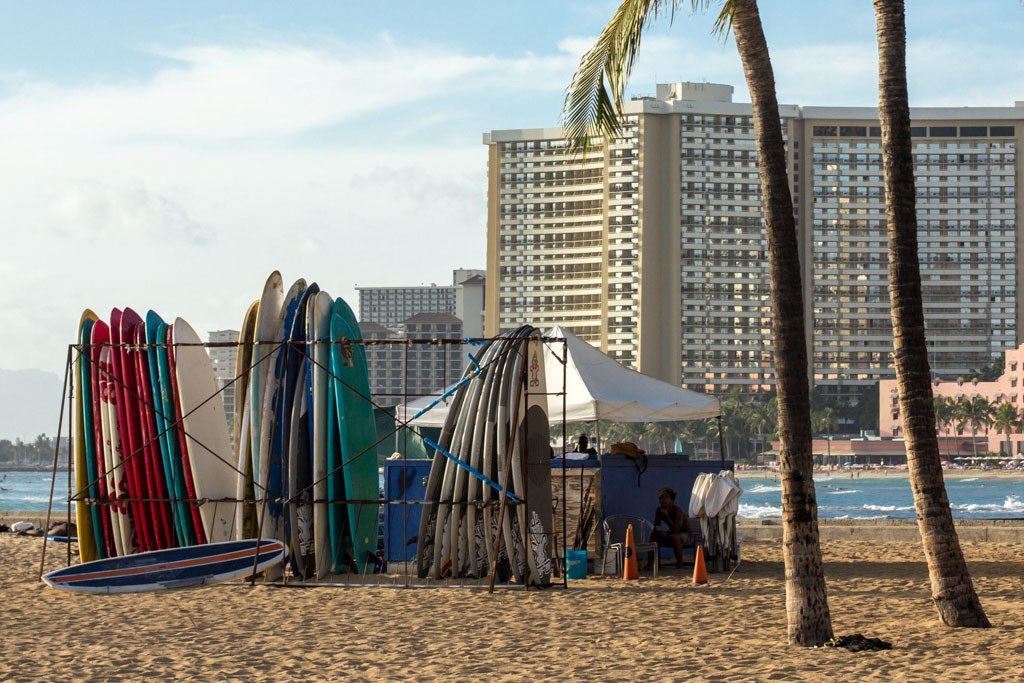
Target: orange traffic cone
point(700, 572)
point(630, 570)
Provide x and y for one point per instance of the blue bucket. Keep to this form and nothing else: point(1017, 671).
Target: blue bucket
point(576, 564)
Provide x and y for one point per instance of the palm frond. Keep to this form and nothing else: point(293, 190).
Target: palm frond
point(593, 101)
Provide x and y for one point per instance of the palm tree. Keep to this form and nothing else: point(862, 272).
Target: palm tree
point(764, 416)
point(590, 109)
point(735, 422)
point(977, 413)
point(952, 590)
point(1006, 420)
point(942, 406)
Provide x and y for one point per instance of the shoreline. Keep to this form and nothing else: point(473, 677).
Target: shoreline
point(884, 473)
point(1002, 529)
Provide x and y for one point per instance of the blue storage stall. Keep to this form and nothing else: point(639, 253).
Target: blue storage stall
point(625, 487)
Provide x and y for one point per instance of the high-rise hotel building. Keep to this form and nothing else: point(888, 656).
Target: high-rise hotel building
point(651, 246)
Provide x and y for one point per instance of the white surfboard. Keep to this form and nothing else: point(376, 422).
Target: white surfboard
point(267, 323)
point(117, 478)
point(206, 434)
point(272, 525)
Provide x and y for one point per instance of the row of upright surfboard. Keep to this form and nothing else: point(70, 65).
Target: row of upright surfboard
point(147, 441)
point(306, 441)
point(154, 463)
point(488, 502)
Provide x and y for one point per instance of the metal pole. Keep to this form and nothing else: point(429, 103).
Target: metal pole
point(56, 454)
point(721, 447)
point(565, 500)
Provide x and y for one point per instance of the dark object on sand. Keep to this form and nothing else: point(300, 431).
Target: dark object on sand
point(858, 643)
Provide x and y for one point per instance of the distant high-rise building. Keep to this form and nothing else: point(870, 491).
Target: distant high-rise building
point(402, 371)
point(222, 358)
point(415, 313)
point(390, 306)
point(652, 245)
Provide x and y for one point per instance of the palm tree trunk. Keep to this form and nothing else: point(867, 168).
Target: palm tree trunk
point(952, 589)
point(809, 621)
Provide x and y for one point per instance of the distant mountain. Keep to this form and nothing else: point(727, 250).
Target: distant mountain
point(29, 404)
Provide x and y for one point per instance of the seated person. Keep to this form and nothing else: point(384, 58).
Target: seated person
point(676, 533)
point(583, 446)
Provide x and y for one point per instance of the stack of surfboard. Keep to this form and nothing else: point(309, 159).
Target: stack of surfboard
point(306, 442)
point(153, 462)
point(494, 445)
point(153, 458)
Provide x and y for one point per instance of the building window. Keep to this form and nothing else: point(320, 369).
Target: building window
point(973, 131)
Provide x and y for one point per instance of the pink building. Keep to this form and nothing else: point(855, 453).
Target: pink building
point(1009, 388)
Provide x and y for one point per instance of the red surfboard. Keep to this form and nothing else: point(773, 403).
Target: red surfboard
point(100, 337)
point(127, 421)
point(163, 520)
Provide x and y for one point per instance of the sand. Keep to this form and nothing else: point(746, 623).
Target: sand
point(599, 629)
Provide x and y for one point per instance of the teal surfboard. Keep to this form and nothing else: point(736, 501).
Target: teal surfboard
point(156, 335)
point(358, 432)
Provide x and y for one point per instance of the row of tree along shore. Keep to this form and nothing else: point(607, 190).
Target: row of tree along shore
point(32, 455)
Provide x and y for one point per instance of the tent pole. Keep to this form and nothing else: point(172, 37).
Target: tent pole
point(721, 446)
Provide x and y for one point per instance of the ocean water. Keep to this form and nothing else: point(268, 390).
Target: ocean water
point(30, 491)
point(840, 497)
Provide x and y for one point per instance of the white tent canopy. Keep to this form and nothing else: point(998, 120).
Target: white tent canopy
point(596, 388)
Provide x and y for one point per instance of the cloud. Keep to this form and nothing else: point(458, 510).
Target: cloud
point(91, 210)
point(215, 94)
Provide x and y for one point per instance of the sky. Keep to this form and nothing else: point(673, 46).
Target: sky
point(169, 156)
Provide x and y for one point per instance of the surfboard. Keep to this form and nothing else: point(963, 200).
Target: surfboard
point(432, 507)
point(169, 569)
point(477, 532)
point(535, 454)
point(100, 339)
point(245, 523)
point(272, 430)
point(267, 324)
point(437, 540)
point(163, 518)
point(510, 386)
point(206, 434)
point(296, 471)
point(339, 534)
point(455, 526)
point(164, 436)
point(130, 458)
point(300, 484)
point(489, 456)
point(125, 539)
point(90, 533)
point(358, 433)
point(181, 444)
point(318, 329)
point(139, 452)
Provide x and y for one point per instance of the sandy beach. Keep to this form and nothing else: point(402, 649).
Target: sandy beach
point(599, 629)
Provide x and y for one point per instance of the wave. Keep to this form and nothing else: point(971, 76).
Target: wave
point(759, 511)
point(887, 508)
point(1011, 505)
point(842, 492)
point(765, 488)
